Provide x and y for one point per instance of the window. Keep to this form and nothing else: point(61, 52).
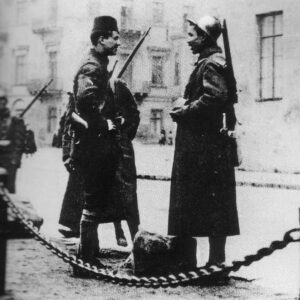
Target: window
point(52, 118)
point(21, 12)
point(157, 70)
point(126, 17)
point(156, 121)
point(177, 69)
point(53, 67)
point(53, 12)
point(158, 13)
point(21, 68)
point(271, 46)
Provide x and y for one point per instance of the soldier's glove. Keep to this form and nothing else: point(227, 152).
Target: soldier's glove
point(111, 125)
point(178, 112)
point(70, 165)
point(120, 120)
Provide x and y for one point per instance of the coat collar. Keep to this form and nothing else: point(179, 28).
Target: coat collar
point(93, 54)
point(208, 52)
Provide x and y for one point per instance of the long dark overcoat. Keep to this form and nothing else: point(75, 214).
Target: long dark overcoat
point(97, 103)
point(97, 152)
point(124, 186)
point(203, 195)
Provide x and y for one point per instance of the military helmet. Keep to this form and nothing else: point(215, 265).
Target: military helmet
point(210, 25)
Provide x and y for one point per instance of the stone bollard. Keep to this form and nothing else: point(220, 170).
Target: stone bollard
point(14, 227)
point(157, 254)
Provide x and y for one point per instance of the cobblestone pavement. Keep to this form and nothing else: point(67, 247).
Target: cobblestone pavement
point(265, 214)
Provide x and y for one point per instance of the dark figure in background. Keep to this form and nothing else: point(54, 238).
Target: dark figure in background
point(170, 138)
point(13, 135)
point(98, 149)
point(162, 139)
point(58, 136)
point(203, 192)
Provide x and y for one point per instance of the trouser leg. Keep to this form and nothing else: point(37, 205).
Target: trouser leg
point(119, 230)
point(88, 242)
point(11, 181)
point(120, 237)
point(133, 228)
point(217, 249)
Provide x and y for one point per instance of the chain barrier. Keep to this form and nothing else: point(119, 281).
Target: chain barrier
point(173, 280)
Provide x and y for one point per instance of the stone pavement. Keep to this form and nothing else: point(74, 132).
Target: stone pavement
point(265, 213)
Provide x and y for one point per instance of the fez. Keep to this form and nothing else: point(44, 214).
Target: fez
point(103, 24)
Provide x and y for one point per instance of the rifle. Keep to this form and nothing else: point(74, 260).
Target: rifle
point(130, 57)
point(230, 73)
point(229, 118)
point(35, 98)
point(76, 118)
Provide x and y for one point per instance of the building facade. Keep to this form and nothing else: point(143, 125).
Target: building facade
point(43, 39)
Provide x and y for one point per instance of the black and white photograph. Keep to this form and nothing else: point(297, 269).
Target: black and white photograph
point(149, 149)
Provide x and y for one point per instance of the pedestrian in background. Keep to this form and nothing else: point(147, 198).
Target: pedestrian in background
point(170, 138)
point(203, 192)
point(13, 134)
point(162, 139)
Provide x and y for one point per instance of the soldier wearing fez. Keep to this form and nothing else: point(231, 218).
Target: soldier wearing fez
point(203, 196)
point(99, 149)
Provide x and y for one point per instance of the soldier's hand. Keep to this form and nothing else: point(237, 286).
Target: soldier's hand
point(111, 125)
point(113, 81)
point(70, 165)
point(178, 112)
point(120, 120)
point(180, 102)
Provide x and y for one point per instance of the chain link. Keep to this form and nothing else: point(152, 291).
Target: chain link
point(172, 280)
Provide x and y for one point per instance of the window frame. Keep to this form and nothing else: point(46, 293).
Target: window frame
point(158, 13)
point(177, 69)
point(20, 70)
point(53, 67)
point(262, 37)
point(153, 57)
point(21, 12)
point(156, 121)
point(52, 118)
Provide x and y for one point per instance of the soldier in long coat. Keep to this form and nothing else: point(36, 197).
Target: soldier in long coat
point(124, 186)
point(98, 151)
point(203, 193)
point(12, 130)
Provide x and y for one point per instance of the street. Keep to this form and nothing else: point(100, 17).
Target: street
point(265, 215)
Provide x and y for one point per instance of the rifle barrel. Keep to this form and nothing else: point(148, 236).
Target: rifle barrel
point(130, 57)
point(232, 81)
point(35, 98)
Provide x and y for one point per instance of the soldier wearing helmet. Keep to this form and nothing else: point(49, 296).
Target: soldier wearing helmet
point(203, 197)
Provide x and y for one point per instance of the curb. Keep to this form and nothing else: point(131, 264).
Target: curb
point(238, 183)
